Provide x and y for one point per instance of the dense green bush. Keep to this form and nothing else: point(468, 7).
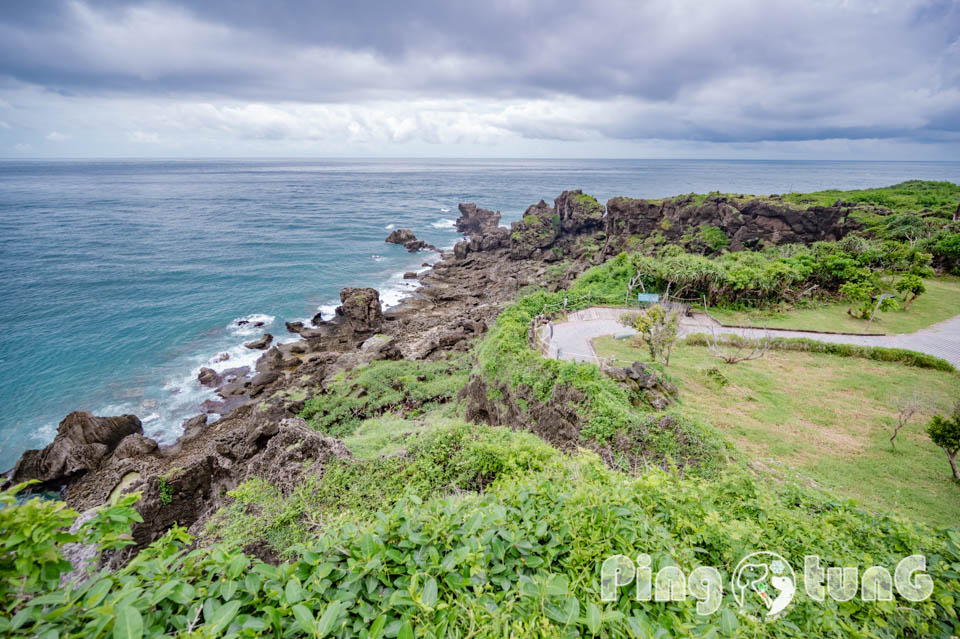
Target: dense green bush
point(370, 390)
point(505, 357)
point(521, 560)
point(802, 344)
point(455, 457)
point(751, 279)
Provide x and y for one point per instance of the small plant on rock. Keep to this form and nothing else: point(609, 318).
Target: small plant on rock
point(944, 431)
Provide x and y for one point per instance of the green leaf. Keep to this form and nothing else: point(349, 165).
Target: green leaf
point(728, 621)
point(593, 618)
point(376, 628)
point(305, 619)
point(406, 631)
point(129, 624)
point(429, 597)
point(223, 616)
point(329, 619)
point(293, 591)
point(228, 590)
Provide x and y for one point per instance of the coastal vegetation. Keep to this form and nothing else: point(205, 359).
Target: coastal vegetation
point(938, 303)
point(476, 492)
point(831, 423)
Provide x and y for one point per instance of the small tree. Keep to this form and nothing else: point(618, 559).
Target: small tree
point(911, 286)
point(738, 348)
point(907, 407)
point(658, 327)
point(862, 303)
point(944, 431)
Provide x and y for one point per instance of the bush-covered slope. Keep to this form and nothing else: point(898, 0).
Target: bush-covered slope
point(521, 560)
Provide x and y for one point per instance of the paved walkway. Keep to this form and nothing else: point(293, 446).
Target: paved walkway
point(571, 338)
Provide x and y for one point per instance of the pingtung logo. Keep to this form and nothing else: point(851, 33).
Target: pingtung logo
point(766, 576)
point(763, 578)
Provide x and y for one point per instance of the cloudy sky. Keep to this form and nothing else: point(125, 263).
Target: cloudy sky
point(848, 79)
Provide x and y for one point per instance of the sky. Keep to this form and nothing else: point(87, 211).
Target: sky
point(800, 79)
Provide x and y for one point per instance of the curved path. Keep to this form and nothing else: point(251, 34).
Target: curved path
point(571, 339)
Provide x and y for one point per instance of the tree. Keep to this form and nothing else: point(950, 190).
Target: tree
point(907, 407)
point(911, 286)
point(658, 327)
point(863, 303)
point(944, 431)
point(738, 348)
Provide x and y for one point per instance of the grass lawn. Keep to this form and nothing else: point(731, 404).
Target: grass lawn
point(827, 417)
point(940, 302)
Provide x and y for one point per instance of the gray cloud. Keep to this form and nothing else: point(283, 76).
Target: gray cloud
point(717, 72)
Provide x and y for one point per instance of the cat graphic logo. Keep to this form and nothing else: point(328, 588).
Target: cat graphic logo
point(766, 577)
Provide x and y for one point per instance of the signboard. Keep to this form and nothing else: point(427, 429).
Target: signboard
point(648, 298)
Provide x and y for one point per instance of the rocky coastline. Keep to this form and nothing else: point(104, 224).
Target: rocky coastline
point(260, 434)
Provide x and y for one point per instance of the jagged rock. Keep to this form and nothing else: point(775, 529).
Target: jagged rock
point(645, 384)
point(361, 308)
point(81, 443)
point(476, 221)
point(415, 245)
point(538, 229)
point(194, 426)
point(294, 327)
point(410, 275)
point(400, 236)
point(748, 224)
point(133, 445)
point(264, 379)
point(269, 361)
point(208, 377)
point(298, 347)
point(460, 249)
point(578, 212)
point(261, 343)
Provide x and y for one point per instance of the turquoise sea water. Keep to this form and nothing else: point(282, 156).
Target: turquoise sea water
point(121, 278)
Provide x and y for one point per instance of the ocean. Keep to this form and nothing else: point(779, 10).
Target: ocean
point(120, 279)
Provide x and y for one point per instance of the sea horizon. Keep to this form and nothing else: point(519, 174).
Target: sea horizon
point(125, 276)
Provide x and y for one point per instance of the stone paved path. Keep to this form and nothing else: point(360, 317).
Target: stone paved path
point(571, 338)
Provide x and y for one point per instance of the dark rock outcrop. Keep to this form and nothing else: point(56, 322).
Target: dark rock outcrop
point(361, 308)
point(81, 443)
point(578, 212)
point(748, 224)
point(261, 343)
point(476, 221)
point(401, 236)
point(208, 377)
point(295, 327)
point(538, 229)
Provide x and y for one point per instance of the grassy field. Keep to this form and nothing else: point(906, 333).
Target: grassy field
point(940, 302)
point(828, 418)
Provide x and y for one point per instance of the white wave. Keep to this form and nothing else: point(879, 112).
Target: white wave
point(249, 325)
point(443, 224)
point(444, 209)
point(329, 309)
point(378, 258)
point(390, 226)
point(45, 433)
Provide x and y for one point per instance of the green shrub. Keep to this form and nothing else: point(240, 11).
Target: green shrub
point(805, 345)
point(522, 560)
point(944, 431)
point(371, 390)
point(456, 457)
